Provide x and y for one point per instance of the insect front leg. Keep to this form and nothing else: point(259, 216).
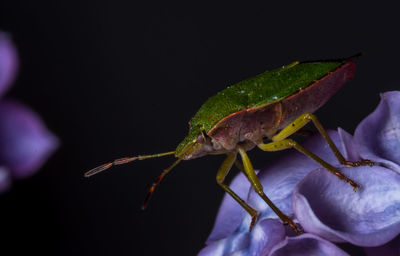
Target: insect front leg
point(252, 176)
point(301, 121)
point(222, 173)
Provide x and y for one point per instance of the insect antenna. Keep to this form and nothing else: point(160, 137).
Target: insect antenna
point(124, 160)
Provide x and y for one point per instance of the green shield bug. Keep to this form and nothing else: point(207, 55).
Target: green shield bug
point(272, 105)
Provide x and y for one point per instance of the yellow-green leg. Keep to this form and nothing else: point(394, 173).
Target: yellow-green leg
point(222, 173)
point(289, 143)
point(251, 175)
point(301, 121)
point(281, 142)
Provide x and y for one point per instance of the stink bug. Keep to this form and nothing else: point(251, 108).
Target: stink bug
point(272, 105)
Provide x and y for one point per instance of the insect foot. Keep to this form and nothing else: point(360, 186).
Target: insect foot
point(254, 218)
point(293, 225)
point(350, 181)
point(362, 162)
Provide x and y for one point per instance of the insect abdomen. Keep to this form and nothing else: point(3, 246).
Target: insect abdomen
point(254, 124)
point(313, 97)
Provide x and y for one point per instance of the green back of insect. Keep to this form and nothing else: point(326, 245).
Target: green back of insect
point(262, 89)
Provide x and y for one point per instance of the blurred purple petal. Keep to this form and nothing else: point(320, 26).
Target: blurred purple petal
point(306, 244)
point(5, 179)
point(378, 135)
point(8, 62)
point(328, 207)
point(25, 143)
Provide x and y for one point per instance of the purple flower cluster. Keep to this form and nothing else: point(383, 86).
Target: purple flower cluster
point(25, 143)
point(327, 208)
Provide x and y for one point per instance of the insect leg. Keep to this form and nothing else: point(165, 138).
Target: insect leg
point(239, 165)
point(301, 121)
point(289, 143)
point(222, 173)
point(156, 182)
point(251, 175)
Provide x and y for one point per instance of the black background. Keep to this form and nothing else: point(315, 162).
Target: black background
point(114, 78)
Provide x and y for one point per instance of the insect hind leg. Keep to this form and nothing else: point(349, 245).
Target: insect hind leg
point(301, 121)
point(289, 143)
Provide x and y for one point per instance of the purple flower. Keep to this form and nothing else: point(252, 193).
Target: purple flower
point(327, 208)
point(8, 63)
point(25, 143)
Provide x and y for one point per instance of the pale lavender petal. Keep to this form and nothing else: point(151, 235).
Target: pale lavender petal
point(5, 179)
point(226, 246)
point(25, 143)
point(328, 207)
point(230, 212)
point(306, 244)
point(238, 253)
point(215, 248)
point(8, 62)
point(265, 235)
point(378, 135)
point(350, 149)
point(260, 241)
point(281, 176)
point(389, 249)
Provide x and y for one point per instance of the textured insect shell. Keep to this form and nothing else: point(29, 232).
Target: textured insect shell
point(254, 124)
point(251, 93)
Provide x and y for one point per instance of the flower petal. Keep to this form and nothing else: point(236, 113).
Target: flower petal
point(378, 135)
point(390, 249)
point(230, 212)
point(350, 149)
point(233, 243)
point(328, 207)
point(8, 62)
point(25, 143)
point(5, 179)
point(214, 248)
point(265, 235)
point(306, 244)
